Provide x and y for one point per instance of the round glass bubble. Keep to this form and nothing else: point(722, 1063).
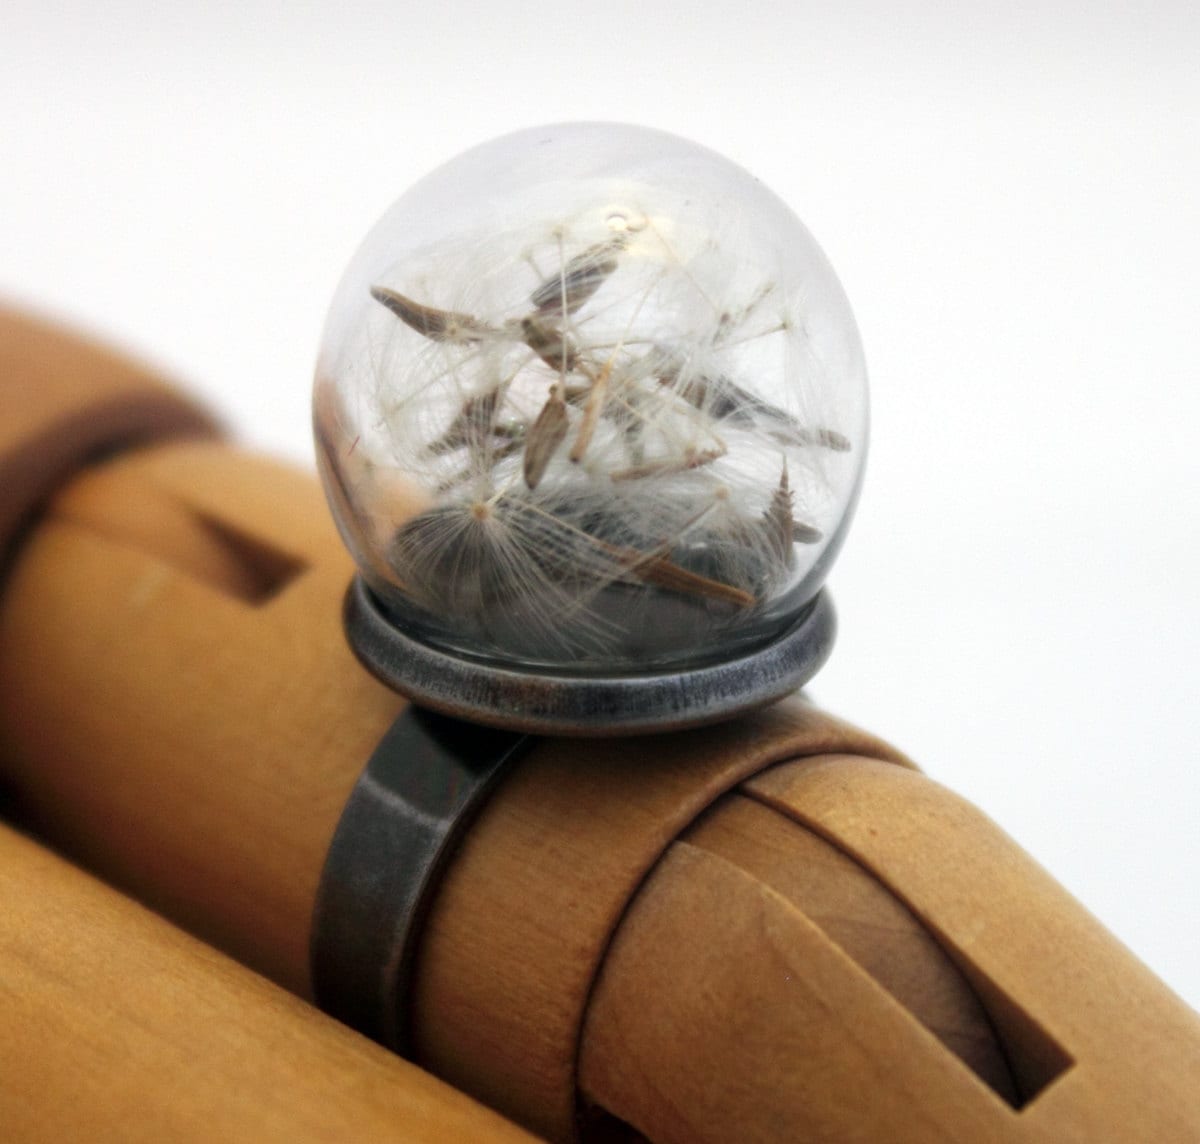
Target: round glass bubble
point(591, 399)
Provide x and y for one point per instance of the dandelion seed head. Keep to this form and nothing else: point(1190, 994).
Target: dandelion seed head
point(592, 350)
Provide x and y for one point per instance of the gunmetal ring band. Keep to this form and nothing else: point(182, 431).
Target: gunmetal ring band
point(422, 786)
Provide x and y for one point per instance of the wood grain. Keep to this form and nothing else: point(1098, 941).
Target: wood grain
point(65, 399)
point(528, 908)
point(828, 1048)
point(1046, 970)
point(115, 1026)
point(822, 1053)
point(864, 919)
point(210, 743)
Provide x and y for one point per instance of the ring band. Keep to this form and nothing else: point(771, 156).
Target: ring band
point(422, 786)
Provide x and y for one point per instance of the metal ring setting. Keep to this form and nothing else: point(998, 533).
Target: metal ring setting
point(543, 702)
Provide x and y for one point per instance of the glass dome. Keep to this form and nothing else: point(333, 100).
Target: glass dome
point(591, 399)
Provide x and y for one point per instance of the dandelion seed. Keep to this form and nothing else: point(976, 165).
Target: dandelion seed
point(581, 277)
point(548, 433)
point(778, 520)
point(663, 573)
point(471, 428)
point(591, 410)
point(438, 325)
point(550, 344)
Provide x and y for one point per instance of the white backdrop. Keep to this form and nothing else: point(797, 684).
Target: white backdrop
point(1009, 193)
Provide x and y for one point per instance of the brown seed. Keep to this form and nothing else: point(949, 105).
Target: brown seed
point(831, 439)
point(655, 567)
point(779, 521)
point(591, 411)
point(547, 434)
point(437, 325)
point(550, 344)
point(580, 278)
point(472, 427)
point(663, 573)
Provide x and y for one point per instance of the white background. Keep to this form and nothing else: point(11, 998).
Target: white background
point(1009, 193)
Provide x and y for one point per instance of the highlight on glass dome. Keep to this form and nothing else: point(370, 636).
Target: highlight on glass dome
point(591, 399)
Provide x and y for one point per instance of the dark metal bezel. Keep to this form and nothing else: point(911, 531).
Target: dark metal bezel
point(548, 703)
